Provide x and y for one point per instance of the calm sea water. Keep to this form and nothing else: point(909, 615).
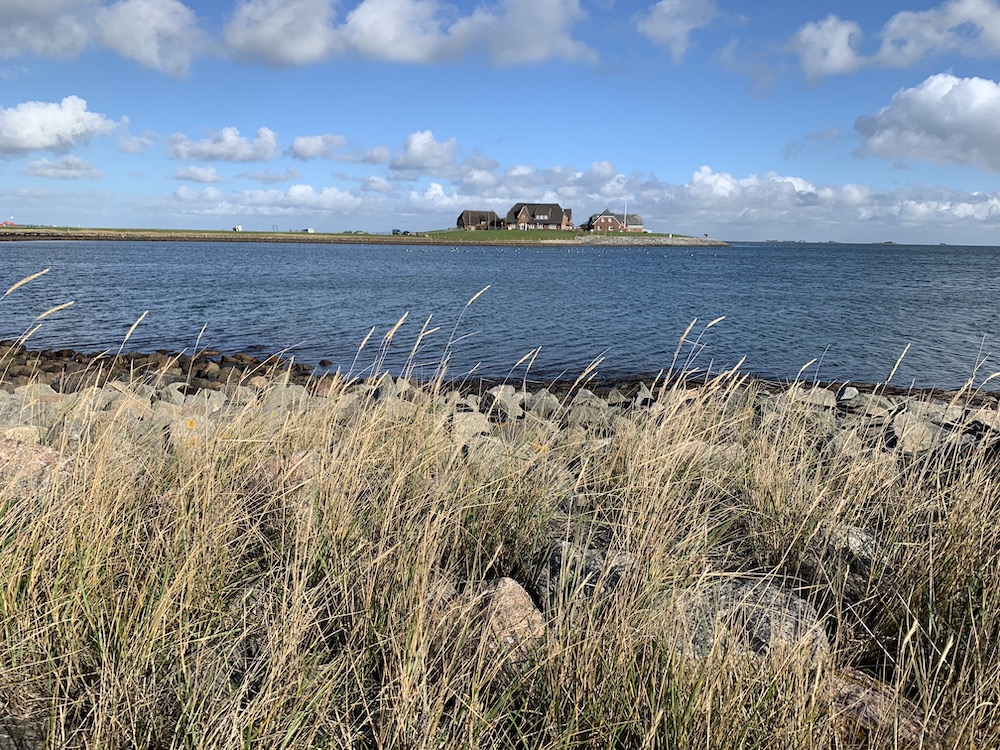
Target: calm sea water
point(851, 308)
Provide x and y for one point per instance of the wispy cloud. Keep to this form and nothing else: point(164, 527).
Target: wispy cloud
point(197, 174)
point(671, 23)
point(67, 168)
point(834, 46)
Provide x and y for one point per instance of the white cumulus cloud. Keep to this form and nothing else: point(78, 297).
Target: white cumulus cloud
point(226, 145)
point(297, 200)
point(376, 155)
point(304, 32)
point(424, 154)
point(67, 168)
point(197, 174)
point(283, 32)
point(970, 28)
point(161, 34)
point(376, 184)
point(307, 147)
point(717, 202)
point(945, 119)
point(671, 23)
point(396, 30)
point(515, 32)
point(828, 47)
point(39, 126)
point(164, 35)
point(48, 28)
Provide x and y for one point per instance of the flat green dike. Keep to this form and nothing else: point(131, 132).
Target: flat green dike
point(541, 238)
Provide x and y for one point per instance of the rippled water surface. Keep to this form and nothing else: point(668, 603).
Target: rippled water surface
point(852, 308)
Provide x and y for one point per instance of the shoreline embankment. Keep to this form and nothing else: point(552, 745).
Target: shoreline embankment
point(468, 238)
point(68, 370)
point(266, 536)
point(204, 546)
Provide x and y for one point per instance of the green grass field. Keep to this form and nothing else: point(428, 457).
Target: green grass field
point(454, 236)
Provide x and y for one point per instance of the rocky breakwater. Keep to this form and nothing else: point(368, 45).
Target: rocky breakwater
point(67, 370)
point(783, 547)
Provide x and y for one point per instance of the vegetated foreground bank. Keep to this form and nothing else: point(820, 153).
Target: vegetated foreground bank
point(529, 238)
point(381, 563)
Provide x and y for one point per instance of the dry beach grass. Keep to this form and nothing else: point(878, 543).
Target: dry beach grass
point(387, 565)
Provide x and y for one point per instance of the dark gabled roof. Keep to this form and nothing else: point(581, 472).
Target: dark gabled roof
point(633, 219)
point(475, 217)
point(554, 211)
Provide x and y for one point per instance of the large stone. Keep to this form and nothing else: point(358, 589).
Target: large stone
point(206, 401)
point(586, 415)
point(873, 405)
point(846, 394)
point(398, 409)
point(129, 408)
point(844, 557)
point(24, 433)
point(543, 404)
point(10, 410)
point(618, 400)
point(748, 616)
point(488, 452)
point(503, 403)
point(914, 434)
point(344, 406)
point(33, 404)
point(855, 541)
point(172, 394)
point(467, 424)
point(586, 397)
point(514, 626)
point(280, 398)
point(38, 392)
point(864, 710)
point(191, 432)
point(815, 396)
point(847, 445)
point(643, 398)
point(939, 413)
point(24, 466)
point(986, 417)
point(241, 395)
point(572, 572)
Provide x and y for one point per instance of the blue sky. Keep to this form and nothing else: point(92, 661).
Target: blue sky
point(850, 121)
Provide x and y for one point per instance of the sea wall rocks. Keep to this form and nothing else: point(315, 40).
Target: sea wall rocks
point(68, 371)
point(560, 438)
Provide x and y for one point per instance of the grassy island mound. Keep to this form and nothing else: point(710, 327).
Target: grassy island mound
point(533, 237)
